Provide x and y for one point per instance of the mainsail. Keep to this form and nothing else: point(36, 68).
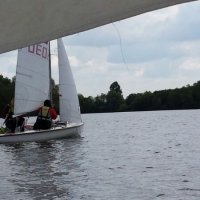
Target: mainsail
point(69, 104)
point(32, 78)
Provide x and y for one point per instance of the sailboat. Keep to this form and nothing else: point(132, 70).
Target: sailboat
point(33, 86)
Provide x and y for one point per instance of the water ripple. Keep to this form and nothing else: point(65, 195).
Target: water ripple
point(138, 155)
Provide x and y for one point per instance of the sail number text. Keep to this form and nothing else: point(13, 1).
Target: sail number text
point(39, 49)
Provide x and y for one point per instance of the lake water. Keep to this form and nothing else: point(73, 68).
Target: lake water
point(119, 156)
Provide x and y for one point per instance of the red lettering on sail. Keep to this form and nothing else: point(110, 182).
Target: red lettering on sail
point(31, 48)
point(44, 52)
point(39, 50)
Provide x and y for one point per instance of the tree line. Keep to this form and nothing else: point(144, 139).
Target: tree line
point(187, 97)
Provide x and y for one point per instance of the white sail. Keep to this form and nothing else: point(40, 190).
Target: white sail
point(69, 104)
point(32, 78)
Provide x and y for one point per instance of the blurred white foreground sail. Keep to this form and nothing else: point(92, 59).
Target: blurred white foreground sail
point(20, 26)
point(32, 88)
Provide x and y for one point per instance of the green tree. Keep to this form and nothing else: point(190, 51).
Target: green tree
point(86, 104)
point(130, 102)
point(114, 98)
point(55, 96)
point(100, 103)
point(6, 91)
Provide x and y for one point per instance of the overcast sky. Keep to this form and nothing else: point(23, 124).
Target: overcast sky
point(154, 51)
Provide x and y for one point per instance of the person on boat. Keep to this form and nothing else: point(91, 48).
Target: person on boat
point(45, 116)
point(12, 122)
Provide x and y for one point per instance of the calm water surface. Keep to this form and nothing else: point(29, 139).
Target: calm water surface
point(130, 156)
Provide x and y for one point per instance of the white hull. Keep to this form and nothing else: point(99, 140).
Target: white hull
point(43, 135)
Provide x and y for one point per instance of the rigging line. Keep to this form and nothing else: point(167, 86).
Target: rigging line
point(121, 49)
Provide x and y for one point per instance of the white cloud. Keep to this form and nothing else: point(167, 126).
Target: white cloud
point(139, 72)
point(187, 48)
point(8, 64)
point(191, 64)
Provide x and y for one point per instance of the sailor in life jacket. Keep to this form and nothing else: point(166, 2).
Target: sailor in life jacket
point(12, 122)
point(45, 116)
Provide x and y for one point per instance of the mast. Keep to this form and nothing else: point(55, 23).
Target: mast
point(50, 82)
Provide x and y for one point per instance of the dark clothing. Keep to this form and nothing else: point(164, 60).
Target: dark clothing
point(42, 124)
point(8, 109)
point(44, 119)
point(13, 122)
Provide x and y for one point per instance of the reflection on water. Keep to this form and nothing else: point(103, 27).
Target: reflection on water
point(39, 170)
point(139, 155)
